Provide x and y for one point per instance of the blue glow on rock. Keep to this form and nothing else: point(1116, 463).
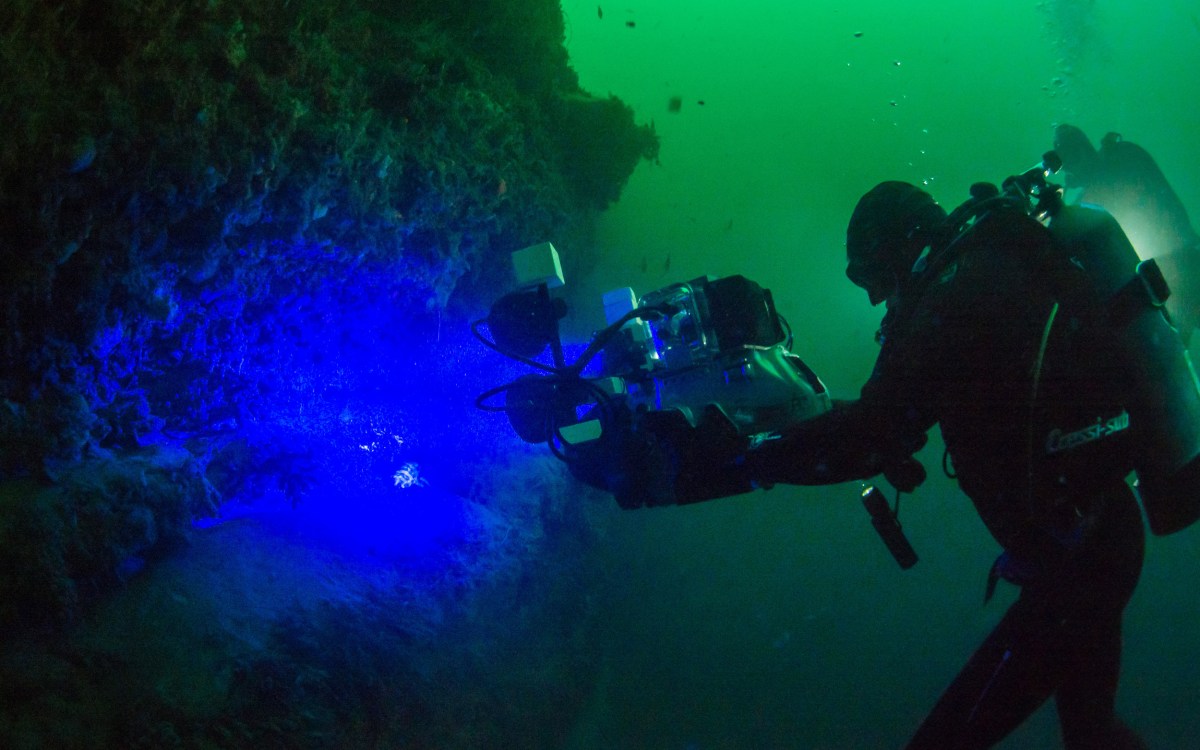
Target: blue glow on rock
point(416, 530)
point(354, 427)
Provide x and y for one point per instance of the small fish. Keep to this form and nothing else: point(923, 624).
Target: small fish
point(644, 265)
point(858, 35)
point(599, 12)
point(667, 264)
point(631, 24)
point(675, 103)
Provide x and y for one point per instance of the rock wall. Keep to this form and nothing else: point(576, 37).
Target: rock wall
point(204, 205)
point(241, 243)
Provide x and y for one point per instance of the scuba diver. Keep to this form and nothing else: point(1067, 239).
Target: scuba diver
point(980, 338)
point(1124, 179)
point(1025, 328)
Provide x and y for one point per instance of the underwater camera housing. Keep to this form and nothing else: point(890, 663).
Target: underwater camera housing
point(688, 377)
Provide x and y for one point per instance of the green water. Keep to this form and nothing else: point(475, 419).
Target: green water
point(777, 619)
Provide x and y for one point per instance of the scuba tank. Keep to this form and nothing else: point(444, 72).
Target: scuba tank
point(1093, 269)
point(1163, 397)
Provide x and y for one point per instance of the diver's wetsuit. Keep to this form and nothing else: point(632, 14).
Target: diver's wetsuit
point(962, 347)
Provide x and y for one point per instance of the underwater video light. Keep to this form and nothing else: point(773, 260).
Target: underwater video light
point(525, 322)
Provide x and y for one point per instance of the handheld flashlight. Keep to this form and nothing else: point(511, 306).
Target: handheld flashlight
point(883, 518)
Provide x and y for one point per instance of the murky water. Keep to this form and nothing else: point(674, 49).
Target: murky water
point(777, 619)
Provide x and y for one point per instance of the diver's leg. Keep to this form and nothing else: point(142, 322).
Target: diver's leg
point(1086, 701)
point(1108, 572)
point(1062, 636)
point(1013, 672)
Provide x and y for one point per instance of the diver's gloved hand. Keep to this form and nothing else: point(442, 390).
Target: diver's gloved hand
point(905, 475)
point(667, 461)
point(900, 468)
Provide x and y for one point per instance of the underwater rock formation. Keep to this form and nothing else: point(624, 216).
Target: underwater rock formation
point(240, 242)
point(177, 168)
point(198, 197)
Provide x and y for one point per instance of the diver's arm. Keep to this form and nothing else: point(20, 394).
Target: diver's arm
point(876, 434)
point(854, 440)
